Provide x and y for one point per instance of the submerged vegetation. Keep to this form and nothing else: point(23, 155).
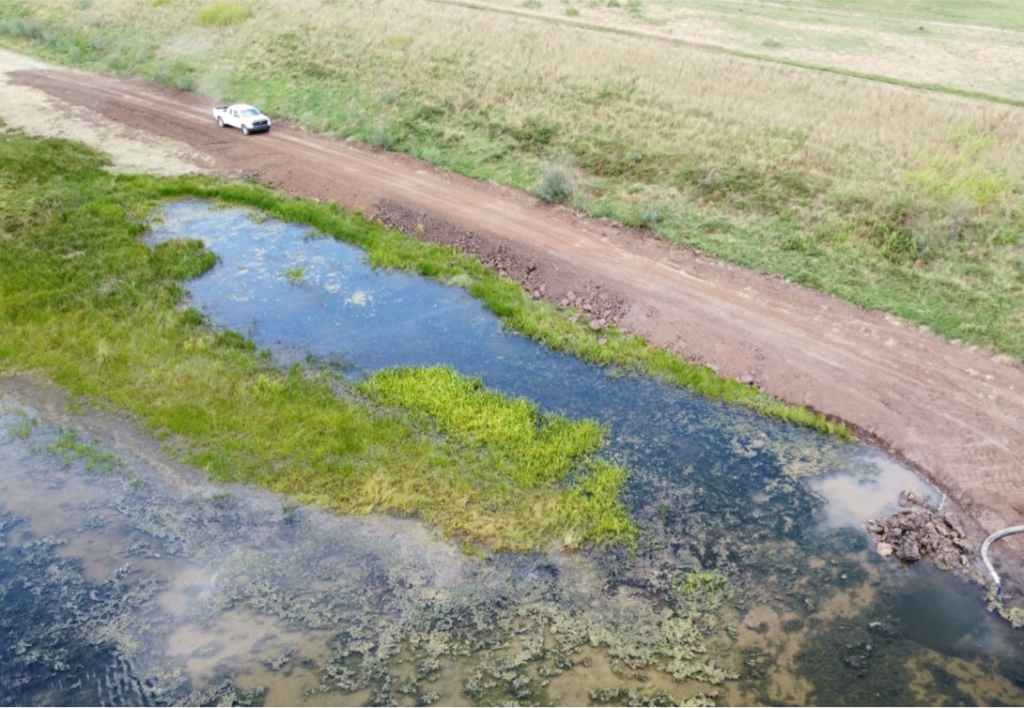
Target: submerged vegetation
point(371, 611)
point(895, 198)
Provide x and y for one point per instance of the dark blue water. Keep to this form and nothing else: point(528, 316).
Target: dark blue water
point(341, 310)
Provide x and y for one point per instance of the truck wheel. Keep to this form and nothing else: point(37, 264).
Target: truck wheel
point(245, 130)
point(220, 121)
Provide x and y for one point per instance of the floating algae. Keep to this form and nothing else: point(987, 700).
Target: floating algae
point(206, 589)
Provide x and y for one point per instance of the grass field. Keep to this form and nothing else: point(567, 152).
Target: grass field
point(972, 46)
point(889, 196)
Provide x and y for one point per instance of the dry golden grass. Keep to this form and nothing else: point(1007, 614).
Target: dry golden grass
point(973, 46)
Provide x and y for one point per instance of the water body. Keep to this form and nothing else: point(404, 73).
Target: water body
point(753, 582)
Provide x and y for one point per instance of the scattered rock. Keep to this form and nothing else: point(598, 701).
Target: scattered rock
point(909, 550)
point(911, 497)
point(921, 531)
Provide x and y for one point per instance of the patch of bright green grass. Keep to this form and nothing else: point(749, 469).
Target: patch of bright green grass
point(521, 450)
point(221, 13)
point(534, 449)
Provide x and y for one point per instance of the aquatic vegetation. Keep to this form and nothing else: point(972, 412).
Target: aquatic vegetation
point(25, 428)
point(521, 451)
point(530, 448)
point(68, 447)
point(705, 588)
point(397, 609)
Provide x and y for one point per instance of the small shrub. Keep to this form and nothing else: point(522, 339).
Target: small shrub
point(572, 12)
point(556, 186)
point(295, 275)
point(220, 14)
point(651, 215)
point(186, 82)
point(380, 135)
point(531, 4)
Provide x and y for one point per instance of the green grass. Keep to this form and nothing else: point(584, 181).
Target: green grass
point(523, 450)
point(87, 305)
point(221, 13)
point(527, 448)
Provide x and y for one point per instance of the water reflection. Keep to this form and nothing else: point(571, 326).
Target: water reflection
point(869, 491)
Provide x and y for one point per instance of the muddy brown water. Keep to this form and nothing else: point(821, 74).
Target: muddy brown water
point(129, 580)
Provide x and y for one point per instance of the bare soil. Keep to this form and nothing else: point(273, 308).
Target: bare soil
point(954, 414)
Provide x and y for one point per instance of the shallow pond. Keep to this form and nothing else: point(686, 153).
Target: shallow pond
point(753, 581)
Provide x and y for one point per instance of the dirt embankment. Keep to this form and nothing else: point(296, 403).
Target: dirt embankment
point(956, 415)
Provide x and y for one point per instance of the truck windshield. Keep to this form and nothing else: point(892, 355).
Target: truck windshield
point(249, 112)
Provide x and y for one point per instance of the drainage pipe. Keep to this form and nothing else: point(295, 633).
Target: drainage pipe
point(984, 552)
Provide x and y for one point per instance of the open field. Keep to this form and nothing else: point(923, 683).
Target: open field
point(958, 45)
point(893, 198)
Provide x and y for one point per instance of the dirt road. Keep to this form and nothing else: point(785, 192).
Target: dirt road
point(957, 416)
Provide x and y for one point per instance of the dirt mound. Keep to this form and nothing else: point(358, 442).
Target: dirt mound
point(542, 278)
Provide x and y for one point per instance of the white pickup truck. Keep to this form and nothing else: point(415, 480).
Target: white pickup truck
point(241, 116)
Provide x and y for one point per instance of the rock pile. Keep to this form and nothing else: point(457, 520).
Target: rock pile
point(922, 531)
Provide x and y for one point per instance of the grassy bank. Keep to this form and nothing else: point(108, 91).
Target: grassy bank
point(83, 301)
point(889, 197)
